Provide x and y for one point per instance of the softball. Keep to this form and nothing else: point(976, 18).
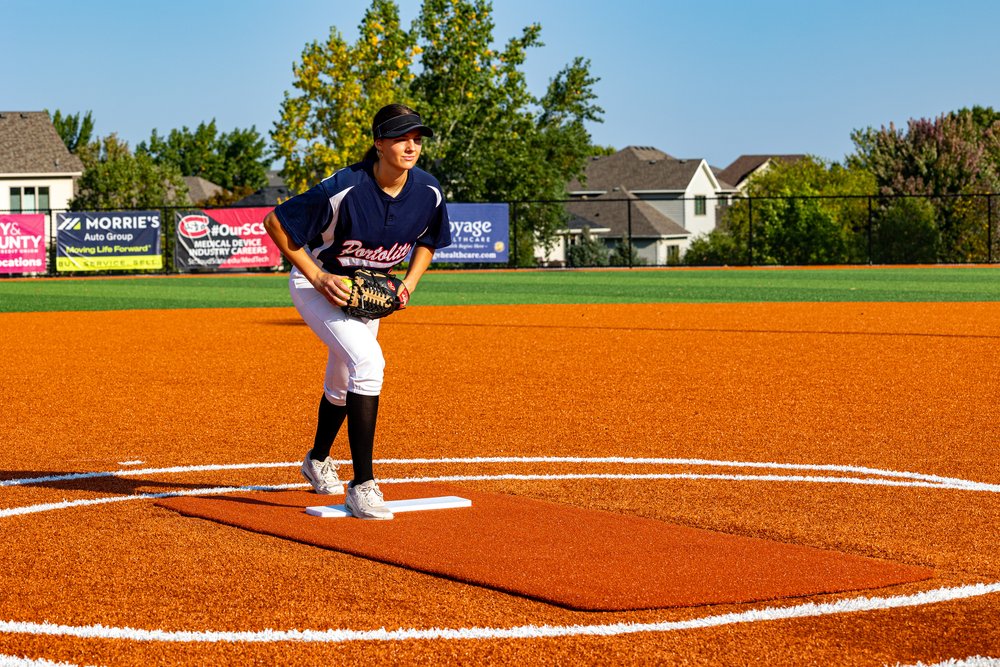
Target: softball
point(347, 282)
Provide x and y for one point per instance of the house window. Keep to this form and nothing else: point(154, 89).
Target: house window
point(29, 199)
point(699, 204)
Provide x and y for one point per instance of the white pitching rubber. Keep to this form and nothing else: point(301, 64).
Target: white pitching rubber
point(395, 506)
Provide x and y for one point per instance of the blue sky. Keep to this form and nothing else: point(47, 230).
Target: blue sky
point(713, 80)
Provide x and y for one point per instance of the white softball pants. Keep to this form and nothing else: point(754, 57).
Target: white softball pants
point(355, 362)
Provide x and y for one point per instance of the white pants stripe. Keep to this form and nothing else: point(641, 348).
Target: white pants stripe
point(355, 362)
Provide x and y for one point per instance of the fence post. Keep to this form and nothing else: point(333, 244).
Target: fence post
point(53, 250)
point(513, 232)
point(750, 231)
point(628, 246)
point(989, 228)
point(869, 229)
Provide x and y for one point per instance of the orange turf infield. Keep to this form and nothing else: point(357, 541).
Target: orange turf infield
point(577, 558)
point(904, 387)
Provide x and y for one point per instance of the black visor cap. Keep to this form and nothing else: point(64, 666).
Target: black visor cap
point(400, 125)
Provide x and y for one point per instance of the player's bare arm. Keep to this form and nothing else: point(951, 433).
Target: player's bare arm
point(422, 256)
point(327, 284)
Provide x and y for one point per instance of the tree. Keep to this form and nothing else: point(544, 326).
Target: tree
point(326, 125)
point(237, 160)
point(625, 254)
point(494, 141)
point(905, 232)
point(945, 159)
point(588, 252)
point(77, 132)
point(117, 179)
point(805, 212)
point(497, 141)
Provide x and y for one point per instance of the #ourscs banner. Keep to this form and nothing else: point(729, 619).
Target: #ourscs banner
point(108, 240)
point(479, 233)
point(22, 243)
point(224, 238)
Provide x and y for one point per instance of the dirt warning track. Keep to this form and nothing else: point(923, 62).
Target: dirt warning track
point(864, 429)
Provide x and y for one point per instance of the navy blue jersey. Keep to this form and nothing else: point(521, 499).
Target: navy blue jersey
point(347, 221)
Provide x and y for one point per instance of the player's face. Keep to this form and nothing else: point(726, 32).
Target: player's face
point(402, 152)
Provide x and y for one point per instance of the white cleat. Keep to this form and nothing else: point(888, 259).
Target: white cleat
point(322, 475)
point(365, 501)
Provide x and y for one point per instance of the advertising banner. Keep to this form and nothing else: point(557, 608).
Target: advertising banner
point(22, 243)
point(108, 240)
point(224, 238)
point(479, 233)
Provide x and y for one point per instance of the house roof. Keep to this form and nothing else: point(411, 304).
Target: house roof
point(29, 144)
point(640, 168)
point(744, 165)
point(200, 189)
point(610, 210)
point(723, 183)
point(271, 194)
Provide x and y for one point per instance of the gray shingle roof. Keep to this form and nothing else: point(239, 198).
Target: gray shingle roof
point(29, 144)
point(605, 211)
point(639, 168)
point(200, 189)
point(272, 194)
point(745, 165)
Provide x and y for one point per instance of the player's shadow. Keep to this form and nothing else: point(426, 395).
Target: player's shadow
point(128, 485)
point(290, 322)
point(264, 501)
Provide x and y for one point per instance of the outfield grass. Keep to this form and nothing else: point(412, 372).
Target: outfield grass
point(514, 287)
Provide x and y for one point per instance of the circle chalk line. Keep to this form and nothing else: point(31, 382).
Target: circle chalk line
point(877, 477)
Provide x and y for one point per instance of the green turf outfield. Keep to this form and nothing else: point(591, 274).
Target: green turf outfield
point(514, 287)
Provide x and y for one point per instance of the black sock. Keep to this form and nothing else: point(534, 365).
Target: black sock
point(327, 425)
point(362, 413)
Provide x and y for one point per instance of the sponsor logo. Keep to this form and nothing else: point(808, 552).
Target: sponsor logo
point(69, 224)
point(193, 226)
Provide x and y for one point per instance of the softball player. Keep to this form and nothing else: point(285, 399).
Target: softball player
point(371, 214)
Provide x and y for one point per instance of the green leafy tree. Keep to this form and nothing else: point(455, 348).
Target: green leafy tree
point(494, 141)
point(77, 132)
point(625, 254)
point(234, 160)
point(119, 179)
point(588, 252)
point(805, 212)
point(905, 231)
point(497, 141)
point(720, 247)
point(326, 124)
point(947, 159)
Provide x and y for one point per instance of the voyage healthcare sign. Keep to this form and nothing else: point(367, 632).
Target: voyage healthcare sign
point(224, 238)
point(22, 243)
point(479, 233)
point(108, 240)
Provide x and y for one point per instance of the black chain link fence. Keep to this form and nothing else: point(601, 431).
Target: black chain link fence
point(711, 231)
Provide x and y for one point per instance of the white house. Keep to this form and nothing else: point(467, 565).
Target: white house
point(640, 192)
point(37, 171)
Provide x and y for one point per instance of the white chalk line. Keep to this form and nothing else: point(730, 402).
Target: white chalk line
point(220, 490)
point(508, 459)
point(530, 631)
point(806, 610)
point(14, 661)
